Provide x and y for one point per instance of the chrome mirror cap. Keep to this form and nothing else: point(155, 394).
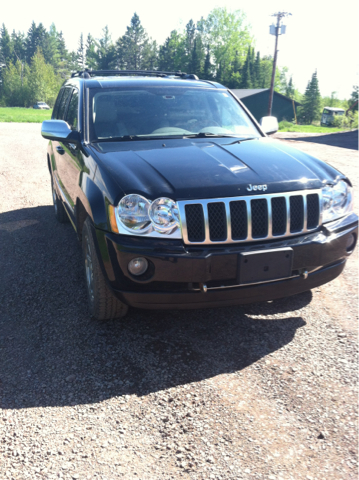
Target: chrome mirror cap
point(269, 125)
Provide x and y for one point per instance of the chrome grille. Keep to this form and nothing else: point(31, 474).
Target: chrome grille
point(250, 218)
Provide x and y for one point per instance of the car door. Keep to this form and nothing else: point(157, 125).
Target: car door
point(70, 161)
point(57, 147)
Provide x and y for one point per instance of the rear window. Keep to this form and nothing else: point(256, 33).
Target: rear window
point(63, 104)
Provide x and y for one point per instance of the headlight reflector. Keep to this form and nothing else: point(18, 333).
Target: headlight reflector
point(164, 214)
point(133, 212)
point(337, 201)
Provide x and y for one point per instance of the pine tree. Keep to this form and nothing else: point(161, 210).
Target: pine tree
point(105, 51)
point(90, 53)
point(208, 67)
point(18, 43)
point(50, 47)
point(354, 98)
point(311, 108)
point(171, 56)
point(132, 50)
point(31, 42)
point(257, 72)
point(290, 89)
point(246, 81)
point(80, 54)
point(6, 47)
point(197, 60)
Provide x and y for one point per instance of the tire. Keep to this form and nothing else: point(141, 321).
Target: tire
point(103, 305)
point(60, 212)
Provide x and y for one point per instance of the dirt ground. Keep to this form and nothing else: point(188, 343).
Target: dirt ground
point(266, 391)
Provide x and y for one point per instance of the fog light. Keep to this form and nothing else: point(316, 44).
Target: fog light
point(351, 242)
point(138, 266)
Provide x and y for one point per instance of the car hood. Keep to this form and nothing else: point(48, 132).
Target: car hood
point(194, 169)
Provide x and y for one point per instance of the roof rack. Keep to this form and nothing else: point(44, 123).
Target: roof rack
point(141, 73)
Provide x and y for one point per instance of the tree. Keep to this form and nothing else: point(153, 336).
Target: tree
point(208, 67)
point(80, 54)
point(133, 50)
point(257, 71)
point(227, 35)
point(90, 53)
point(18, 44)
point(354, 98)
point(289, 92)
point(31, 42)
point(14, 84)
point(280, 84)
point(311, 108)
point(246, 81)
point(6, 47)
point(105, 51)
point(50, 47)
point(42, 82)
point(198, 57)
point(171, 53)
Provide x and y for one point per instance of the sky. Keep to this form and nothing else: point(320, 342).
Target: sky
point(320, 35)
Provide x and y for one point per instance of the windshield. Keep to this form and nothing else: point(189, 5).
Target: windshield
point(166, 112)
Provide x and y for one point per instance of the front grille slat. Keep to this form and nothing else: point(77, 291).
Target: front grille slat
point(217, 221)
point(279, 216)
point(195, 223)
point(250, 218)
point(259, 218)
point(296, 213)
point(313, 210)
point(239, 220)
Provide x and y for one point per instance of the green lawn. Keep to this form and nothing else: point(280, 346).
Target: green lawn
point(290, 127)
point(24, 115)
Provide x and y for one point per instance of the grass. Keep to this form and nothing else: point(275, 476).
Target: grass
point(24, 115)
point(291, 127)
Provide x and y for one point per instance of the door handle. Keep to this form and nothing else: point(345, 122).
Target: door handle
point(60, 150)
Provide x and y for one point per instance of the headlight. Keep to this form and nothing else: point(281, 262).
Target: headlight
point(164, 214)
point(137, 215)
point(337, 201)
point(133, 212)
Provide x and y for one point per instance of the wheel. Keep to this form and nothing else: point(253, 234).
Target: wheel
point(60, 212)
point(103, 305)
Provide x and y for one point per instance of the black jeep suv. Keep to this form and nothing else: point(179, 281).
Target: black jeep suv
point(181, 200)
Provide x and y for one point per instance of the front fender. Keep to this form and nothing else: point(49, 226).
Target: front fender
point(96, 203)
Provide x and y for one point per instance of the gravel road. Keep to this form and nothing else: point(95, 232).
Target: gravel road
point(263, 391)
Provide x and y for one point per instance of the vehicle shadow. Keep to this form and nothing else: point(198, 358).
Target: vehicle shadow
point(341, 139)
point(53, 354)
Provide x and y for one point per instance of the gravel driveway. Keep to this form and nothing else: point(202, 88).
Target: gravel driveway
point(263, 391)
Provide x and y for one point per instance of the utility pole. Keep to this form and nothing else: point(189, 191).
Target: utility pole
point(275, 30)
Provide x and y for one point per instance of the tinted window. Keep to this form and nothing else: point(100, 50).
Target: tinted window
point(57, 104)
point(166, 111)
point(72, 112)
point(63, 104)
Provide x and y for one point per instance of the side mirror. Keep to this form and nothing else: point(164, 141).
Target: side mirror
point(59, 130)
point(269, 125)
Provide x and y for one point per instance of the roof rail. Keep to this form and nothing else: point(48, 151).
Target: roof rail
point(142, 73)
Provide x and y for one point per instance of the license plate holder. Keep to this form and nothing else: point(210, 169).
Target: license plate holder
point(265, 265)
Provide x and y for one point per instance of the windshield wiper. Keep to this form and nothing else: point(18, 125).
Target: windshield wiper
point(243, 140)
point(207, 134)
point(124, 138)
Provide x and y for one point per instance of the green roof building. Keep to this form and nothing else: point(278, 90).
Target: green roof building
point(257, 100)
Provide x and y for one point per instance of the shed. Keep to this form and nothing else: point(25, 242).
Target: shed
point(257, 100)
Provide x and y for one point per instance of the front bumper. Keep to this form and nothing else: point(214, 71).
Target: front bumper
point(179, 274)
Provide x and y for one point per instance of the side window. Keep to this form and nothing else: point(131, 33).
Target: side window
point(57, 104)
point(72, 112)
point(63, 104)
